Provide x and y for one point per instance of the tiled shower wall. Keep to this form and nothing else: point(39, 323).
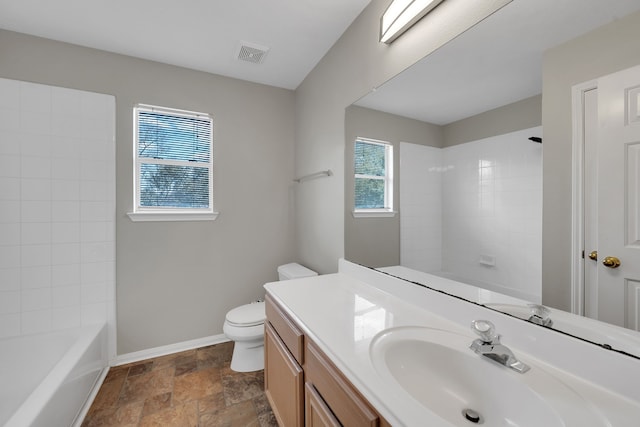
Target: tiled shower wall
point(491, 211)
point(57, 208)
point(421, 207)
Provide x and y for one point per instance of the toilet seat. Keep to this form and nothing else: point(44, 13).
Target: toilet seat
point(247, 315)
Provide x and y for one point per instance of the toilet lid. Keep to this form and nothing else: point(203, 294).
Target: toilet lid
point(247, 315)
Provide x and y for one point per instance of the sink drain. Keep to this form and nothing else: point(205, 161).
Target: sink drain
point(471, 415)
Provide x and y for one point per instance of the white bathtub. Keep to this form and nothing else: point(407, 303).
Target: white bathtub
point(45, 379)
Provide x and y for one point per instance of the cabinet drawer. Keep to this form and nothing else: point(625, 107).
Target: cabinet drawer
point(345, 402)
point(288, 332)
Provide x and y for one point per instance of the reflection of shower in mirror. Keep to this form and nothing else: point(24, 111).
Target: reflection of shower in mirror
point(478, 218)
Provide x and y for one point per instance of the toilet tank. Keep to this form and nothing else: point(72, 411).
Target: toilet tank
point(294, 271)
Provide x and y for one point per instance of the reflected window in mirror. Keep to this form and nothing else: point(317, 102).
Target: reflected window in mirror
point(373, 166)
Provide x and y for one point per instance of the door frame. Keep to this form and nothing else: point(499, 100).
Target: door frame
point(577, 195)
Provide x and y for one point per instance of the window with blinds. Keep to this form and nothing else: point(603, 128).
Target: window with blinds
point(373, 166)
point(173, 161)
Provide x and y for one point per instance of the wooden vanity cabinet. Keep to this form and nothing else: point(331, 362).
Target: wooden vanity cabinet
point(303, 386)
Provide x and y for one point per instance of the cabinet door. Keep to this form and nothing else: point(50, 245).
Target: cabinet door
point(317, 413)
point(346, 404)
point(283, 381)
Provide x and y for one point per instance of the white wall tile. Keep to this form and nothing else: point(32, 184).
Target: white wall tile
point(51, 139)
point(9, 94)
point(10, 279)
point(65, 168)
point(94, 149)
point(66, 318)
point(94, 252)
point(66, 296)
point(9, 165)
point(35, 211)
point(9, 142)
point(95, 272)
point(35, 255)
point(65, 147)
point(33, 322)
point(35, 167)
point(93, 191)
point(65, 253)
point(9, 188)
point(36, 299)
point(65, 211)
point(10, 211)
point(65, 232)
point(36, 277)
point(92, 294)
point(93, 170)
point(491, 191)
point(10, 302)
point(35, 97)
point(93, 231)
point(65, 190)
point(35, 123)
point(65, 275)
point(35, 233)
point(9, 234)
point(9, 257)
point(66, 102)
point(65, 126)
point(9, 325)
point(94, 313)
point(35, 145)
point(9, 121)
point(35, 189)
point(93, 211)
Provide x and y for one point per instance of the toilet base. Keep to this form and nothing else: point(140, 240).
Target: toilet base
point(248, 356)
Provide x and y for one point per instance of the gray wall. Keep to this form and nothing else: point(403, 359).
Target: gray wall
point(523, 114)
point(608, 49)
point(376, 241)
point(355, 65)
point(176, 280)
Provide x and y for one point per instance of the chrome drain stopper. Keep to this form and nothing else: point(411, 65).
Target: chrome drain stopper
point(471, 415)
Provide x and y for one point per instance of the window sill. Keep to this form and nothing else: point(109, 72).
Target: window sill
point(172, 216)
point(373, 214)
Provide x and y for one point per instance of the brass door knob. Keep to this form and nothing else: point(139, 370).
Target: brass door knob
point(611, 262)
point(593, 255)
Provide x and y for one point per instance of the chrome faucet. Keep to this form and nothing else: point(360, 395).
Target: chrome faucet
point(489, 345)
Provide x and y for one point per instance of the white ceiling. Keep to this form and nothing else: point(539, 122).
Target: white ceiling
point(199, 34)
point(497, 62)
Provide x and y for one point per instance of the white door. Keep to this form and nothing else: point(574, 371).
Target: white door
point(619, 198)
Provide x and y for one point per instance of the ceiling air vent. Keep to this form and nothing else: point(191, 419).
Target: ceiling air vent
point(251, 52)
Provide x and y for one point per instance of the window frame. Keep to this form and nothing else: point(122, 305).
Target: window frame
point(153, 213)
point(387, 211)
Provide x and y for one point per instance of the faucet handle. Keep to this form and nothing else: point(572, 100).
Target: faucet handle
point(485, 329)
point(540, 315)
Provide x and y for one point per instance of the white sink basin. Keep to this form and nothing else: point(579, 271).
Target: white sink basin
point(438, 370)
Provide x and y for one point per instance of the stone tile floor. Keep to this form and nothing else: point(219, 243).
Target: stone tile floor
point(195, 388)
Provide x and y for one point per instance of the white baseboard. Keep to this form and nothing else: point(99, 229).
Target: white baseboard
point(150, 353)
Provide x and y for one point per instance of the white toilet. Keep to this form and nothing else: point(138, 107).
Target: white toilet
point(245, 325)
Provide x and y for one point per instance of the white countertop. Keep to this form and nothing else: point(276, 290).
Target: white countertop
point(343, 312)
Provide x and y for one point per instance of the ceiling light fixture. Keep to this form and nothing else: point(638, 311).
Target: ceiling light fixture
point(401, 15)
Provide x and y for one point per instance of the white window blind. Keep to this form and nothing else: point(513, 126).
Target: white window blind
point(373, 166)
point(173, 161)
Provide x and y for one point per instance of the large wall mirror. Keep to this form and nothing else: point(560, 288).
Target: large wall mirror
point(468, 134)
